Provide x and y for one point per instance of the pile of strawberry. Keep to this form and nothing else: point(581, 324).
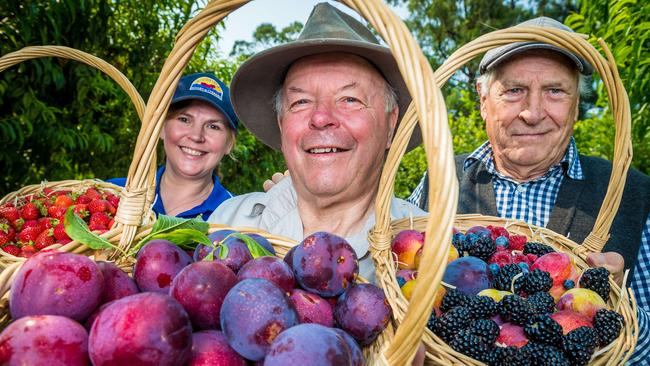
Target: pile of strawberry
point(34, 222)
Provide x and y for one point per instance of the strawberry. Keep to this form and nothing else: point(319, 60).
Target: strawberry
point(48, 222)
point(517, 242)
point(97, 205)
point(9, 212)
point(34, 223)
point(18, 224)
point(83, 199)
point(64, 241)
point(27, 251)
point(497, 231)
point(47, 191)
point(44, 240)
point(113, 199)
point(7, 233)
point(93, 193)
point(57, 212)
point(30, 211)
point(29, 234)
point(110, 209)
point(59, 233)
point(99, 221)
point(63, 201)
point(81, 210)
point(11, 249)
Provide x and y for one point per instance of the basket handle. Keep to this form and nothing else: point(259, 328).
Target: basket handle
point(32, 52)
point(619, 104)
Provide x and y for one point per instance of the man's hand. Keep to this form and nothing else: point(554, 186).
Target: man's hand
point(612, 261)
point(275, 179)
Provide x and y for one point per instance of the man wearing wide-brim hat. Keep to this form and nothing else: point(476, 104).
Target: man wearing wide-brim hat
point(330, 101)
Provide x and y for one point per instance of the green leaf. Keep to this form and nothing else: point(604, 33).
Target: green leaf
point(77, 229)
point(184, 237)
point(167, 224)
point(254, 247)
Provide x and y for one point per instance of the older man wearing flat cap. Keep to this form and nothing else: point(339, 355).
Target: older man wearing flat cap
point(530, 169)
point(330, 101)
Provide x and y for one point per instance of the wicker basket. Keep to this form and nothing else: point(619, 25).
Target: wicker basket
point(126, 204)
point(622, 300)
point(393, 349)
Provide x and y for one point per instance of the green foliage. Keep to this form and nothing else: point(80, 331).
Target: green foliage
point(624, 26)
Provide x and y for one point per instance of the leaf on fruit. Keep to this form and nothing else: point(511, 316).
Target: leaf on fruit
point(168, 224)
point(254, 247)
point(77, 230)
point(184, 237)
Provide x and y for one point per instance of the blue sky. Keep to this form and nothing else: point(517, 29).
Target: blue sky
point(241, 23)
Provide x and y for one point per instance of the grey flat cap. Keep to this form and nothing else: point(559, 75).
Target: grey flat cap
point(497, 55)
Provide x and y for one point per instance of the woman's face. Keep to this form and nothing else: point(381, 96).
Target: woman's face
point(196, 137)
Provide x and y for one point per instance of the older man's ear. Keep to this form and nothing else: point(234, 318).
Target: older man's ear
point(392, 124)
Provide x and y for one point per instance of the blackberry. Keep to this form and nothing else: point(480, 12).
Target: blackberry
point(536, 248)
point(542, 303)
point(481, 307)
point(579, 344)
point(511, 356)
point(432, 321)
point(596, 279)
point(452, 299)
point(486, 329)
point(608, 325)
point(464, 245)
point(483, 248)
point(537, 281)
point(452, 322)
point(471, 345)
point(543, 329)
point(515, 309)
point(503, 279)
point(544, 355)
point(457, 240)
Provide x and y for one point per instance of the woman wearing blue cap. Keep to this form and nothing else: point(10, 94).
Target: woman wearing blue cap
point(200, 128)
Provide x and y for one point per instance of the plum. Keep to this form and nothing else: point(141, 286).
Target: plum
point(309, 344)
point(288, 258)
point(157, 263)
point(51, 340)
point(238, 253)
point(270, 268)
point(325, 264)
point(142, 329)
point(57, 283)
point(468, 274)
point(203, 250)
point(117, 284)
point(363, 312)
point(200, 288)
point(356, 355)
point(312, 308)
point(210, 348)
point(253, 313)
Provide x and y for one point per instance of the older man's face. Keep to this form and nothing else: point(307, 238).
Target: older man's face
point(529, 112)
point(334, 125)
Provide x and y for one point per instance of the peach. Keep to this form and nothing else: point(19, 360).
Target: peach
point(560, 266)
point(581, 300)
point(495, 294)
point(511, 335)
point(570, 320)
point(453, 254)
point(407, 289)
point(405, 245)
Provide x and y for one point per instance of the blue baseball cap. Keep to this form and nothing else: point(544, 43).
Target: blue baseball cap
point(207, 87)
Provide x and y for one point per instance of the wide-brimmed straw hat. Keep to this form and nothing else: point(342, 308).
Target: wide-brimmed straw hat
point(327, 30)
point(497, 55)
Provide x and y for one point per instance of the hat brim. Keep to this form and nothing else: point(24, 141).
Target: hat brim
point(258, 79)
point(506, 52)
point(231, 124)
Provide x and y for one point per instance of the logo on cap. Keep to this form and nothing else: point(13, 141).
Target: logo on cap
point(207, 85)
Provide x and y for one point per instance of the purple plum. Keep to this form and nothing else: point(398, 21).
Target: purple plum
point(117, 284)
point(309, 344)
point(157, 263)
point(312, 308)
point(270, 268)
point(210, 348)
point(363, 312)
point(468, 274)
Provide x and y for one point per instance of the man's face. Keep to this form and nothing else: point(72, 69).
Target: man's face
point(334, 126)
point(529, 112)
